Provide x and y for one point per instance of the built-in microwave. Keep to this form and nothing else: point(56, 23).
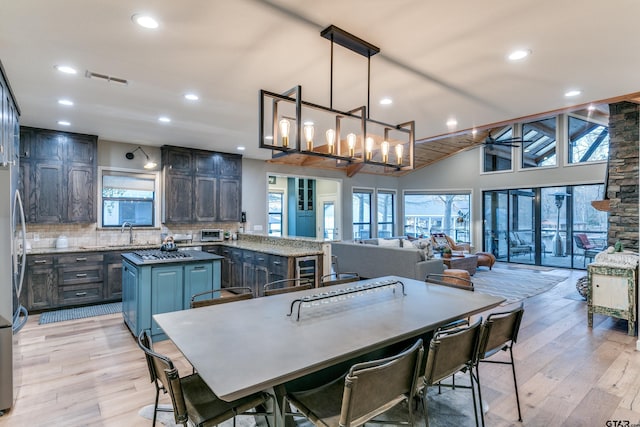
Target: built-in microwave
point(212, 235)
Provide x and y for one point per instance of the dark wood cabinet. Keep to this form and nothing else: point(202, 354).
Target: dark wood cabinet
point(80, 278)
point(58, 176)
point(40, 282)
point(201, 186)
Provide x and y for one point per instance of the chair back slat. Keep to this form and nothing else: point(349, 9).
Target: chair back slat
point(372, 388)
point(237, 294)
point(286, 285)
point(450, 351)
point(499, 330)
point(338, 278)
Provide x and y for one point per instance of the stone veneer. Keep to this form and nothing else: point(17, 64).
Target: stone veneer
point(622, 185)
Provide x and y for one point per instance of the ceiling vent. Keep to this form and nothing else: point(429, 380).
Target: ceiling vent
point(91, 75)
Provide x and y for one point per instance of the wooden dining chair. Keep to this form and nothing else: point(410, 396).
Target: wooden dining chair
point(450, 280)
point(452, 350)
point(237, 293)
point(192, 400)
point(500, 333)
point(286, 285)
point(368, 390)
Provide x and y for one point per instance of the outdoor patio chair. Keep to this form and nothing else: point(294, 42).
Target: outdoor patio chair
point(589, 249)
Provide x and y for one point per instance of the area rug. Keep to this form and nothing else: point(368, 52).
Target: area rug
point(166, 418)
point(515, 284)
point(80, 312)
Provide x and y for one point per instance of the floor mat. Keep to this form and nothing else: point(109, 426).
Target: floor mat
point(80, 312)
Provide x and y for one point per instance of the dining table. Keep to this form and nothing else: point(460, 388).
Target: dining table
point(277, 342)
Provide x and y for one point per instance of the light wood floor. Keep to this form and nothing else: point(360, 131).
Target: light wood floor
point(91, 372)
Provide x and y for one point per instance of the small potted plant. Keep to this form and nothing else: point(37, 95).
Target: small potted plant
point(446, 252)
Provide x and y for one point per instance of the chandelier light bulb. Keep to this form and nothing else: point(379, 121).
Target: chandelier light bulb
point(331, 139)
point(368, 148)
point(399, 149)
point(308, 136)
point(351, 143)
point(284, 130)
point(384, 147)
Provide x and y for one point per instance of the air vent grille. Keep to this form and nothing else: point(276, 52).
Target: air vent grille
point(111, 79)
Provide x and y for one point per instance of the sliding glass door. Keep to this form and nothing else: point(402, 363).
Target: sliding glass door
point(550, 226)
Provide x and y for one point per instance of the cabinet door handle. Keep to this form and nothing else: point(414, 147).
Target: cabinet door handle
point(201, 267)
point(81, 294)
point(276, 263)
point(40, 261)
point(79, 259)
point(260, 259)
point(81, 275)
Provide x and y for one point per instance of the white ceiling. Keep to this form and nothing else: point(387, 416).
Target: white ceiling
point(439, 59)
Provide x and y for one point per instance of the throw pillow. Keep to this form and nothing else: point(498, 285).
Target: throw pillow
point(390, 243)
point(406, 243)
point(440, 240)
point(425, 246)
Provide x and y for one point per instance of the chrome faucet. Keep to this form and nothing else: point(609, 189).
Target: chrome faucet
point(128, 224)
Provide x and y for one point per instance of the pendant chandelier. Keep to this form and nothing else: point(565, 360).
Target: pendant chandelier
point(290, 126)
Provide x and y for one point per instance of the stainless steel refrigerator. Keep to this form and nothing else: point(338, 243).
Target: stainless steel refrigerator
point(13, 315)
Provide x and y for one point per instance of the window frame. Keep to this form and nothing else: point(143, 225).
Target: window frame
point(567, 137)
point(281, 213)
point(370, 192)
point(394, 203)
point(454, 215)
point(102, 170)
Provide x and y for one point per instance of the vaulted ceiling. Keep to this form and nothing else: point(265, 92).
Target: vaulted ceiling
point(439, 61)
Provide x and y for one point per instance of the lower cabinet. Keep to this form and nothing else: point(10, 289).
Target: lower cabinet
point(112, 276)
point(40, 283)
point(149, 290)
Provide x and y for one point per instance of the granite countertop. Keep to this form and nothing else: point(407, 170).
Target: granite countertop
point(288, 250)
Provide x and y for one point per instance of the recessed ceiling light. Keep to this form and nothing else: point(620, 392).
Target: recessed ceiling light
point(66, 69)
point(64, 123)
point(519, 54)
point(591, 107)
point(474, 132)
point(308, 123)
point(571, 93)
point(164, 119)
point(66, 102)
point(452, 123)
point(191, 97)
point(145, 21)
point(268, 137)
point(386, 101)
point(241, 148)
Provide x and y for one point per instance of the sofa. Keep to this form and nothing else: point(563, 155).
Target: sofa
point(371, 260)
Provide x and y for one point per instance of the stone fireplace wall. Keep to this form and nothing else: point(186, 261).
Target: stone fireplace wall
point(622, 185)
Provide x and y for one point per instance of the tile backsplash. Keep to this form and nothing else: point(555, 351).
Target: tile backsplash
point(45, 236)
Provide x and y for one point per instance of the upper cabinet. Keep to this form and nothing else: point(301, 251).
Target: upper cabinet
point(200, 186)
point(9, 123)
point(58, 176)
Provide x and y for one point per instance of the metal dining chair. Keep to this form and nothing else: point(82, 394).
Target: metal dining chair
point(238, 293)
point(452, 350)
point(192, 400)
point(338, 278)
point(500, 332)
point(368, 390)
point(286, 285)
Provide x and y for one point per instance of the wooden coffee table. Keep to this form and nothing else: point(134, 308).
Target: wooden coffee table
point(462, 262)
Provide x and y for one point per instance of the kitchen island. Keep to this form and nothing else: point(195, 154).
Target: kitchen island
point(155, 282)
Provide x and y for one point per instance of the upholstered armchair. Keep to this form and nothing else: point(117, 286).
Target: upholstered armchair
point(441, 240)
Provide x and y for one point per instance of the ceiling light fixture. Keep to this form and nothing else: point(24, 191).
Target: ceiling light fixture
point(191, 97)
point(572, 93)
point(241, 148)
point(353, 139)
point(386, 101)
point(451, 123)
point(519, 54)
point(148, 165)
point(66, 69)
point(65, 102)
point(145, 21)
point(64, 123)
point(164, 119)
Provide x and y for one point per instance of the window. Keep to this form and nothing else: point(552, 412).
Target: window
point(496, 157)
point(362, 214)
point(128, 196)
point(275, 213)
point(437, 213)
point(386, 213)
point(588, 141)
point(539, 143)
